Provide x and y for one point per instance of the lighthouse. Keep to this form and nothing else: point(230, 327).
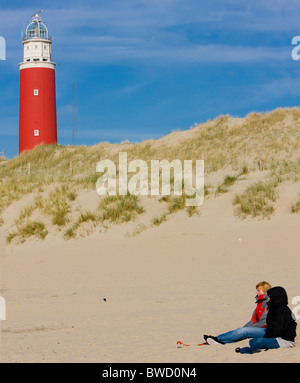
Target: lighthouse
point(37, 108)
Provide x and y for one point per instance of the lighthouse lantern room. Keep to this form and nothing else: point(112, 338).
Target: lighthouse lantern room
point(37, 109)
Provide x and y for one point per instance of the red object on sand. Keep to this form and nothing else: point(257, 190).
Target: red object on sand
point(199, 344)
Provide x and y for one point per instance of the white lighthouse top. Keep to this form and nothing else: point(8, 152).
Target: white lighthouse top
point(37, 45)
point(36, 29)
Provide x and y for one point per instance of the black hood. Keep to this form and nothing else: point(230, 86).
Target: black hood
point(278, 297)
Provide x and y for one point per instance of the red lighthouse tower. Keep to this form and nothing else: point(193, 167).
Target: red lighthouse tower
point(37, 114)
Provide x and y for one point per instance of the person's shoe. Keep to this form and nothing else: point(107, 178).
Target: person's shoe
point(238, 349)
point(212, 339)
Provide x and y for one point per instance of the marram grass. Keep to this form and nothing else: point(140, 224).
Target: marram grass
point(261, 141)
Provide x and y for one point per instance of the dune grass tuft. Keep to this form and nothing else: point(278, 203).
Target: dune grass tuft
point(177, 203)
point(229, 180)
point(296, 207)
point(257, 200)
point(87, 216)
point(159, 220)
point(57, 204)
point(26, 230)
point(120, 208)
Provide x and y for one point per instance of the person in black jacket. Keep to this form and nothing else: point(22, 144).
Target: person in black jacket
point(281, 324)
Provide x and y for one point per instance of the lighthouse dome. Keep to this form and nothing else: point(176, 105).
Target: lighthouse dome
point(36, 30)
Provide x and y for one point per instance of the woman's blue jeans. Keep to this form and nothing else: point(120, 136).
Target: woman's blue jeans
point(257, 344)
point(242, 333)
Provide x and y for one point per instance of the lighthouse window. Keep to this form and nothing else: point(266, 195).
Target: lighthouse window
point(36, 132)
point(35, 92)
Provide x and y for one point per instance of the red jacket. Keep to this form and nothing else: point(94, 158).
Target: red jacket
point(259, 315)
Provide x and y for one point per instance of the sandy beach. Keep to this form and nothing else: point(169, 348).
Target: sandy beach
point(149, 181)
point(128, 296)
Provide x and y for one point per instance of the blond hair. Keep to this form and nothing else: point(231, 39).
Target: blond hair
point(264, 285)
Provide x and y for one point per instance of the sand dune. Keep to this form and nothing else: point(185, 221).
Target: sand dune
point(127, 292)
point(186, 277)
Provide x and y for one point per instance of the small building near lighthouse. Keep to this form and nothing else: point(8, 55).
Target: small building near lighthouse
point(37, 104)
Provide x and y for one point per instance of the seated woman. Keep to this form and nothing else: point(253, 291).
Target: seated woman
point(255, 328)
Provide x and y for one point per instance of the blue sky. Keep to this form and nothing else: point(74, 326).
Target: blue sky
point(146, 68)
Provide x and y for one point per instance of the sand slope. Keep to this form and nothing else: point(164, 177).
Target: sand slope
point(189, 276)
